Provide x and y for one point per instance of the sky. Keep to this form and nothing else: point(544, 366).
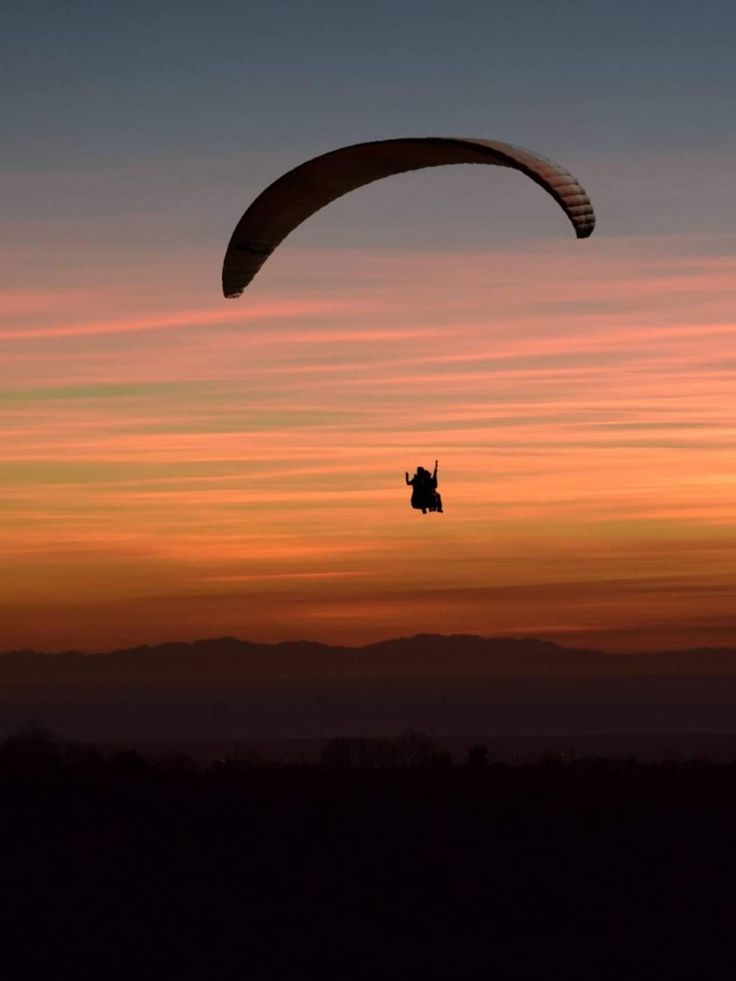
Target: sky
point(174, 465)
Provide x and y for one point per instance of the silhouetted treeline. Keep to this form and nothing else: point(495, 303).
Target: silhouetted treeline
point(381, 860)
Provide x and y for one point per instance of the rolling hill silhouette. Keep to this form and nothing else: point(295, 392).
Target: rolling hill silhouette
point(448, 686)
point(420, 656)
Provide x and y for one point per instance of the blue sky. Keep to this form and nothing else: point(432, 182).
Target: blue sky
point(87, 83)
point(154, 124)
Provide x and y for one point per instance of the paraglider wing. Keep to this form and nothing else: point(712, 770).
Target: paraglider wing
point(301, 192)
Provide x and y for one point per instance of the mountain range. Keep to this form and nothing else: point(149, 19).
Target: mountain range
point(421, 656)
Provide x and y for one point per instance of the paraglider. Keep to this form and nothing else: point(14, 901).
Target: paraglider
point(424, 495)
point(301, 192)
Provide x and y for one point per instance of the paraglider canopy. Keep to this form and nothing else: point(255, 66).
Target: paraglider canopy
point(301, 192)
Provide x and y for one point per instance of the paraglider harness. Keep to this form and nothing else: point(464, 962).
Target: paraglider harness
point(425, 496)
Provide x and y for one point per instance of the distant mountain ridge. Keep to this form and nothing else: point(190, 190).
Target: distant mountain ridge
point(419, 656)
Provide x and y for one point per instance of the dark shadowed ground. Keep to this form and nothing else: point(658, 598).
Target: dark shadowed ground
point(382, 860)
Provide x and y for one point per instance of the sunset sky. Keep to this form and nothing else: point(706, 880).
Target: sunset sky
point(176, 465)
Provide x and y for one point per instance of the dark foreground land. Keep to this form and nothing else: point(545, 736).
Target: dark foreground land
point(381, 860)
